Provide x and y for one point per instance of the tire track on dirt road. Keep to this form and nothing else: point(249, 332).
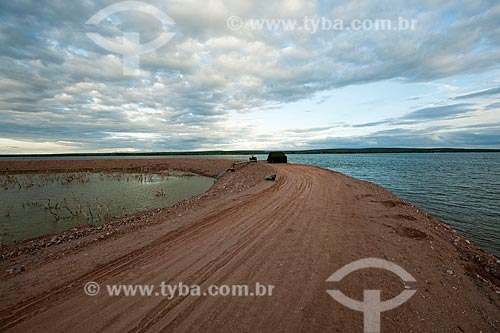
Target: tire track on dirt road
point(293, 235)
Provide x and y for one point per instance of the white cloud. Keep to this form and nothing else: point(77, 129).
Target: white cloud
point(57, 85)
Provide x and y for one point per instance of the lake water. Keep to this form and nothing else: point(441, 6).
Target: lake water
point(37, 204)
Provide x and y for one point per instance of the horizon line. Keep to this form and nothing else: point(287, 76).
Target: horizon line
point(265, 151)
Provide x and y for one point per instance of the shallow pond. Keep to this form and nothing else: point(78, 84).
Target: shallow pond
point(32, 205)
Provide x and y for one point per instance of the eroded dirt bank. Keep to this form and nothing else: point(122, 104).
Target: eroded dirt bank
point(292, 233)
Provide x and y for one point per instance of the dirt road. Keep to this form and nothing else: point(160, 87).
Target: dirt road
point(292, 234)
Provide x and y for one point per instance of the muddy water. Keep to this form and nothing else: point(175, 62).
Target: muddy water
point(37, 204)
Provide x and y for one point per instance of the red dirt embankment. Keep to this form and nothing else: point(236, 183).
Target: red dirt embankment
point(292, 233)
point(205, 167)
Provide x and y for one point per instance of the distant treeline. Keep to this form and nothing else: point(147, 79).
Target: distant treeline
point(393, 150)
point(263, 152)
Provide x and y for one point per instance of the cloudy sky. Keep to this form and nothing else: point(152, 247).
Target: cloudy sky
point(213, 87)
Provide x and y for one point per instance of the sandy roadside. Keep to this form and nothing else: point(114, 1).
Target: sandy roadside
point(292, 233)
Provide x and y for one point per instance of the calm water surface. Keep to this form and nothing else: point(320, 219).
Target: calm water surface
point(37, 204)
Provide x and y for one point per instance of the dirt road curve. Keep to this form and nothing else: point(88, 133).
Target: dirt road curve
point(293, 234)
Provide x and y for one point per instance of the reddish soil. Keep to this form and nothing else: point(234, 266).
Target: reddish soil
point(202, 166)
point(292, 233)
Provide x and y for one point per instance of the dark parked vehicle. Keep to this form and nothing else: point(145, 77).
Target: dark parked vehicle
point(277, 157)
